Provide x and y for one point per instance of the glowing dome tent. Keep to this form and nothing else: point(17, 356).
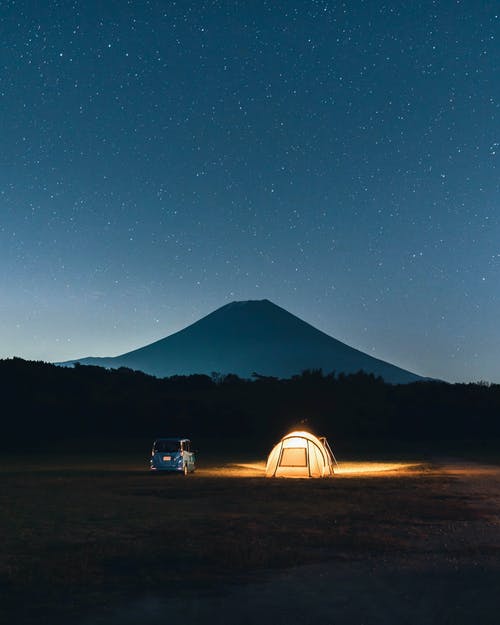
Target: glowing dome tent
point(300, 454)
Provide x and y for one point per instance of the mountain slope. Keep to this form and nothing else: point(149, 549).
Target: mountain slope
point(246, 337)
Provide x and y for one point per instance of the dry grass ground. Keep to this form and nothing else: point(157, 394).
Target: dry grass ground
point(100, 540)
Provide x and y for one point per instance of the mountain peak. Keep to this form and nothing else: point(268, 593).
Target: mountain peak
point(249, 336)
point(250, 303)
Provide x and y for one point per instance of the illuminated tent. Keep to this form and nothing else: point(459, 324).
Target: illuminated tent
point(300, 454)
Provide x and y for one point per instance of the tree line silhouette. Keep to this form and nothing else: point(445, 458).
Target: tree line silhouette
point(43, 402)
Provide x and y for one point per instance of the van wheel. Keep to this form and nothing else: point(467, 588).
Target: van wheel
point(186, 471)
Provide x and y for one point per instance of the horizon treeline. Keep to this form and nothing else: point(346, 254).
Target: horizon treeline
point(43, 402)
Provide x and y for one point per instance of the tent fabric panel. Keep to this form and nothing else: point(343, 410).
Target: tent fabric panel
point(273, 459)
point(295, 441)
point(292, 472)
point(316, 462)
point(293, 457)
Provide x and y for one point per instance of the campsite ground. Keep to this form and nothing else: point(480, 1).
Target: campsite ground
point(98, 540)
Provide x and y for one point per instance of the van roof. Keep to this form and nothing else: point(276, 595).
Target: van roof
point(172, 438)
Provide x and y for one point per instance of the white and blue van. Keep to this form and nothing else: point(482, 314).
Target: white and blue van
point(172, 454)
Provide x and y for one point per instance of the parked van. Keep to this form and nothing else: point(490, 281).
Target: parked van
point(172, 454)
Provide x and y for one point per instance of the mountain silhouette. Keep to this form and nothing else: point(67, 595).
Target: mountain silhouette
point(247, 337)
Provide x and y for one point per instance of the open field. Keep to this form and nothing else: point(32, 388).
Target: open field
point(99, 540)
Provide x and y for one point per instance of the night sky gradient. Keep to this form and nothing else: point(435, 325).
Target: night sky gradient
point(160, 159)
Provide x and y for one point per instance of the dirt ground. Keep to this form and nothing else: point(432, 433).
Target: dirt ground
point(384, 542)
point(449, 577)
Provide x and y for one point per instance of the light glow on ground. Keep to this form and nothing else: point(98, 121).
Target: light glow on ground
point(344, 469)
point(358, 468)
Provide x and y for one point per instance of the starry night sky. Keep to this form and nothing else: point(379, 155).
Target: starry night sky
point(160, 159)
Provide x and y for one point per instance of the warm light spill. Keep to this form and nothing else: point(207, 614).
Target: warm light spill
point(345, 469)
point(248, 469)
point(356, 468)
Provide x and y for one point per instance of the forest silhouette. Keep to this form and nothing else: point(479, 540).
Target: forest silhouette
point(43, 402)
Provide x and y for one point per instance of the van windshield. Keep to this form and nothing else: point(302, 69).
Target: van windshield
point(171, 446)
